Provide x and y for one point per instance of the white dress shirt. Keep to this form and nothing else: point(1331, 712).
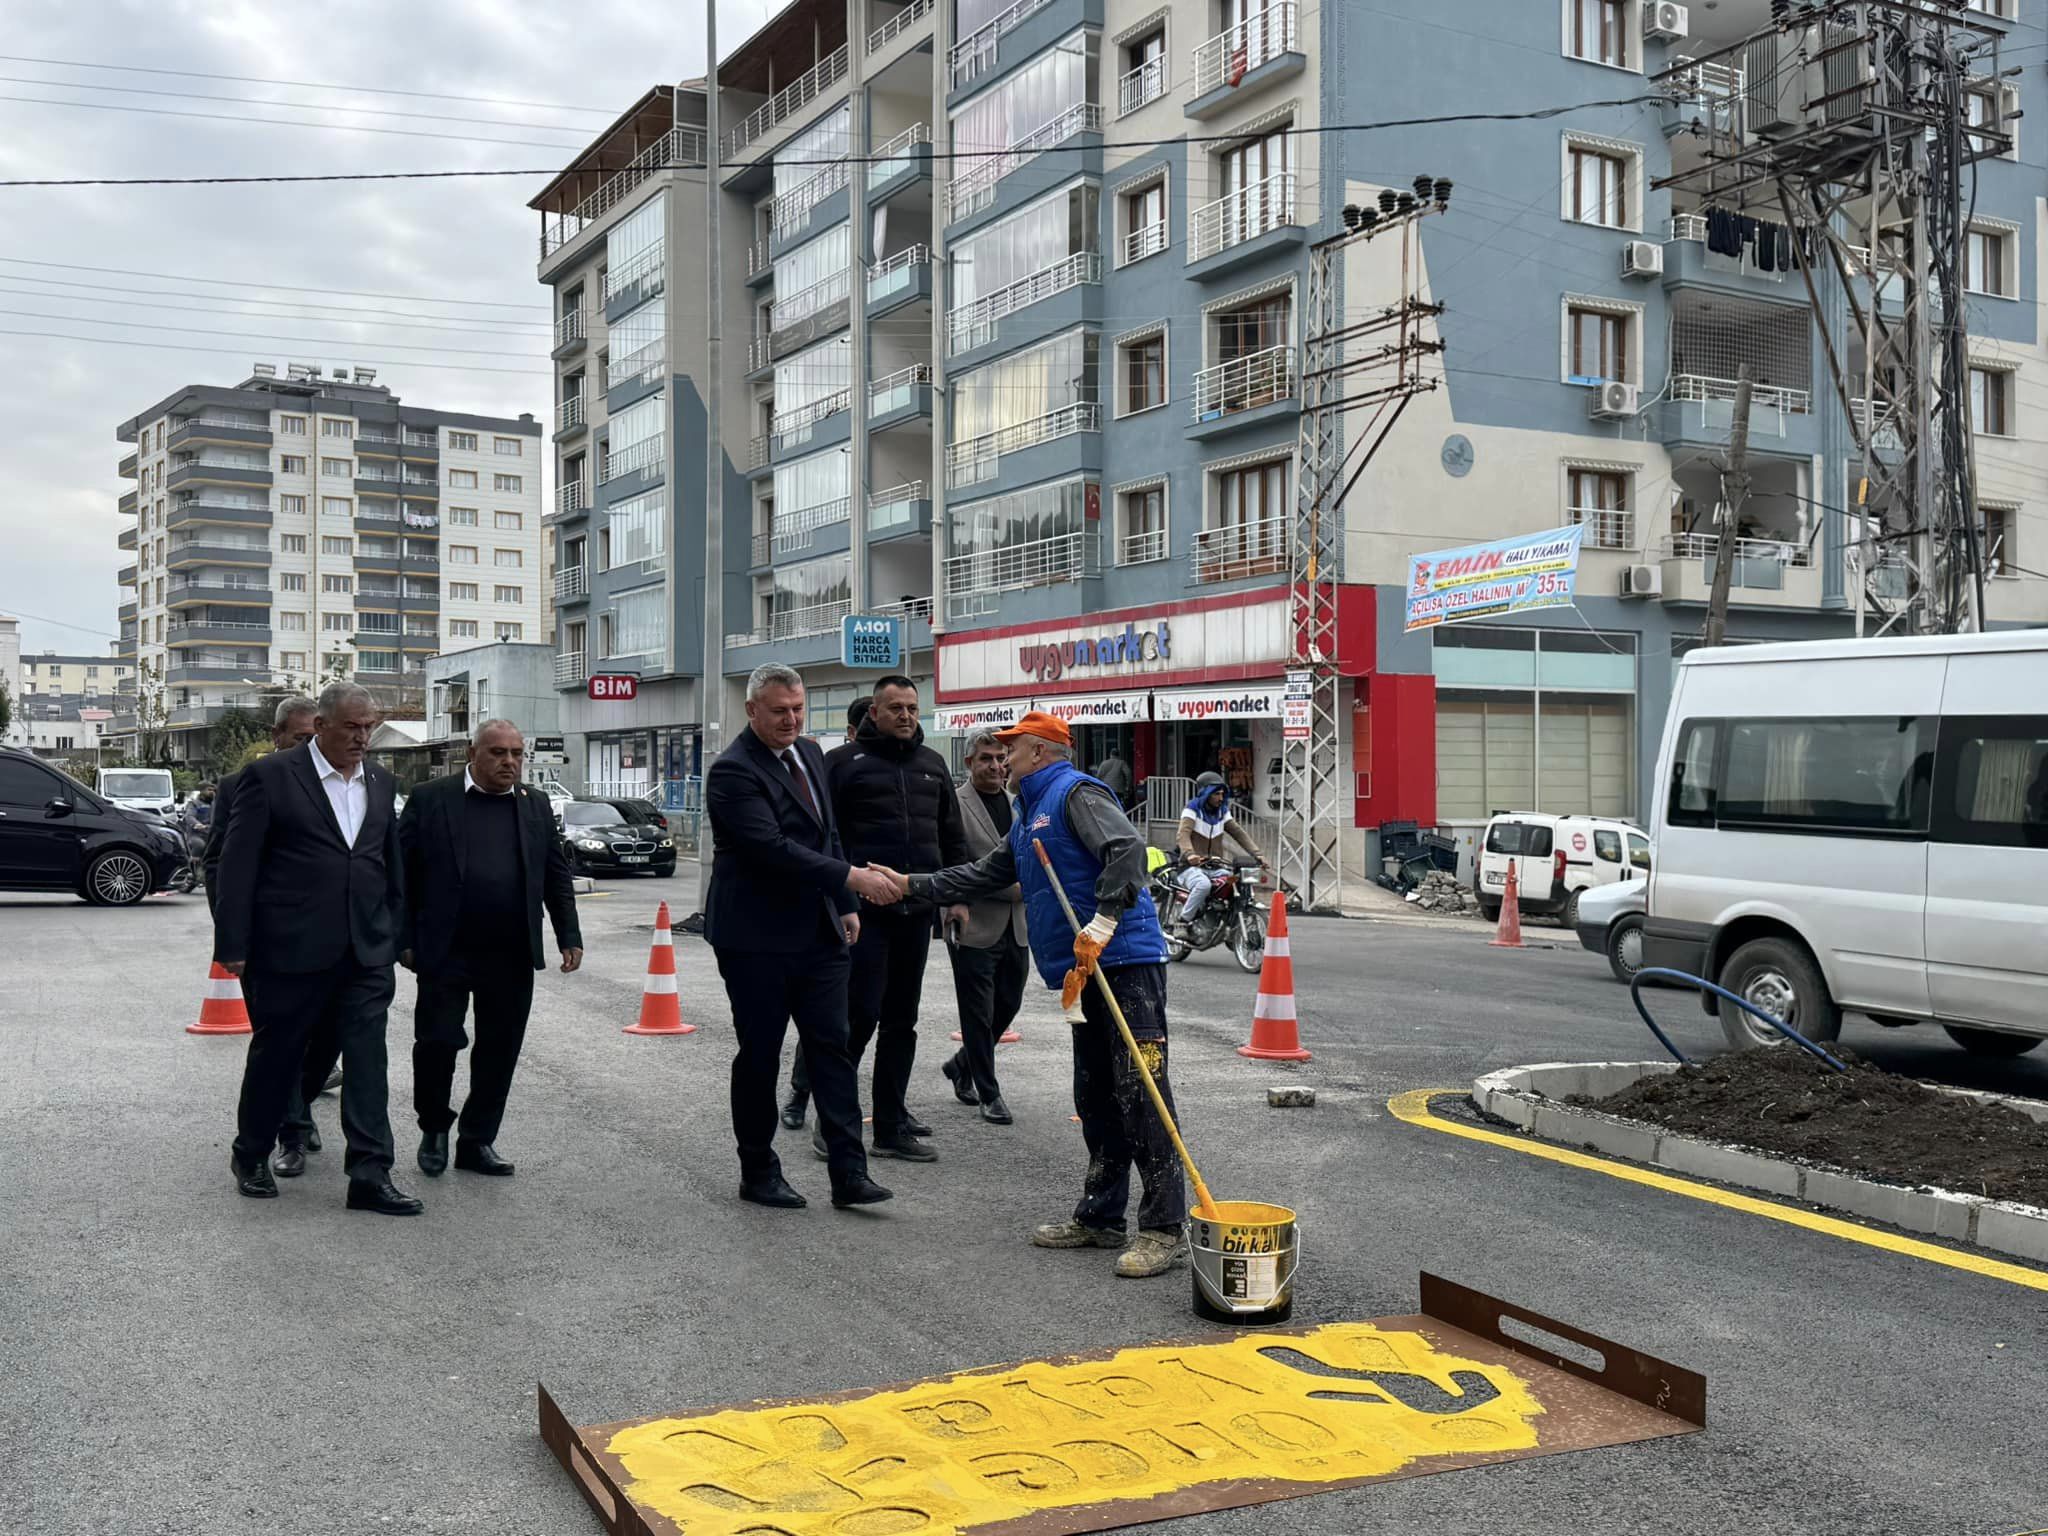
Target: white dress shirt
point(350, 797)
point(470, 786)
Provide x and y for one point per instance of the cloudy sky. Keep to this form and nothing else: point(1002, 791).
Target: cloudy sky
point(458, 254)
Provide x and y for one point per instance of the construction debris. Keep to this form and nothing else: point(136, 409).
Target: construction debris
point(1440, 891)
point(1291, 1098)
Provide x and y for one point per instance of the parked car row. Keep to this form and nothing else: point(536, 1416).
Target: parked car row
point(57, 835)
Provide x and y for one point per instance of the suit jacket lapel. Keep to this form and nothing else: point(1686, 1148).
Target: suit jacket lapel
point(309, 780)
point(451, 828)
point(975, 812)
point(770, 767)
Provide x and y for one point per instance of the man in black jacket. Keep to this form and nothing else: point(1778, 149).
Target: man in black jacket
point(312, 891)
point(481, 860)
point(896, 807)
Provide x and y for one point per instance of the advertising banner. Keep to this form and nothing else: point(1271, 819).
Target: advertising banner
point(1252, 701)
point(1100, 708)
point(1298, 707)
point(1484, 581)
point(958, 719)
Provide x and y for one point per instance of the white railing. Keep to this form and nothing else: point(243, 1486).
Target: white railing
point(787, 102)
point(975, 188)
point(760, 353)
point(1702, 546)
point(642, 264)
point(790, 210)
point(760, 258)
point(571, 498)
point(897, 154)
point(897, 271)
point(893, 27)
point(365, 513)
point(978, 52)
point(569, 668)
point(1700, 387)
point(1605, 527)
point(574, 326)
point(908, 609)
point(1693, 226)
point(1707, 82)
point(572, 581)
point(644, 366)
point(791, 623)
point(1245, 383)
point(569, 413)
point(975, 460)
point(757, 451)
point(974, 325)
point(1237, 551)
point(1242, 215)
point(1263, 35)
point(788, 534)
point(789, 427)
point(190, 625)
point(1876, 423)
point(1145, 83)
point(1145, 240)
point(1141, 548)
point(1037, 563)
point(679, 146)
point(902, 383)
point(763, 548)
point(805, 302)
point(642, 455)
point(896, 507)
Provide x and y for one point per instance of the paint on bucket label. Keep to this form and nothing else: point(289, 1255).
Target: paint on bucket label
point(1251, 1279)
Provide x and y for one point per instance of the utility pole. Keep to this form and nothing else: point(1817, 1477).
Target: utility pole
point(711, 671)
point(1734, 491)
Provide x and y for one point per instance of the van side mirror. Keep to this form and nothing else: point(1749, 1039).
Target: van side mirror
point(58, 807)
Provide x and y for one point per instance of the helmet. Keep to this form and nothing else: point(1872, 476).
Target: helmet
point(1210, 780)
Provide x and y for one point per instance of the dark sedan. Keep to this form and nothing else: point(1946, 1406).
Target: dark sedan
point(617, 837)
point(57, 835)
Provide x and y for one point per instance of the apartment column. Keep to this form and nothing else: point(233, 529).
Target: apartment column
point(859, 248)
point(942, 410)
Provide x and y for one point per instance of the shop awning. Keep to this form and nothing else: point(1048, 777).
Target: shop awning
point(1099, 708)
point(1249, 701)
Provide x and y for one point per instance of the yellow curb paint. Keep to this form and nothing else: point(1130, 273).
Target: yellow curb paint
point(1345, 1401)
point(1413, 1107)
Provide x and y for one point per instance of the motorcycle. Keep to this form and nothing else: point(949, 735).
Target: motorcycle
point(1231, 916)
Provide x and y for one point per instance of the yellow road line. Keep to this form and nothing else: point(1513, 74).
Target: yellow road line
point(1413, 1107)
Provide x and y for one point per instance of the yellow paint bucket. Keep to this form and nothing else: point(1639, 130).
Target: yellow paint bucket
point(1243, 1254)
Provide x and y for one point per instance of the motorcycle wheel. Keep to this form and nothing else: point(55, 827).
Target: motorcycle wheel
point(1248, 941)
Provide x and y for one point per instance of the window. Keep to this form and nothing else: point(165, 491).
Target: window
point(1597, 31)
point(462, 554)
point(638, 528)
point(291, 581)
point(294, 505)
point(333, 546)
point(343, 468)
point(509, 522)
point(1144, 223)
point(287, 619)
point(338, 427)
point(291, 464)
point(462, 629)
point(462, 479)
point(508, 559)
point(1598, 499)
point(291, 543)
point(1026, 386)
point(508, 594)
point(1525, 839)
point(1596, 190)
point(460, 517)
point(1144, 363)
point(337, 506)
point(512, 483)
point(462, 442)
point(1598, 345)
point(1990, 401)
point(293, 426)
point(1850, 774)
point(1988, 270)
point(639, 622)
point(2001, 524)
point(293, 661)
point(1038, 94)
point(23, 783)
point(1993, 777)
point(509, 631)
point(337, 622)
point(462, 591)
point(1144, 76)
point(342, 584)
point(1038, 237)
point(1141, 525)
point(507, 447)
point(1248, 532)
point(376, 661)
point(1607, 845)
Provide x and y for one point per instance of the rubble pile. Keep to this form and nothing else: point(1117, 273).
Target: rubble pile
point(1441, 892)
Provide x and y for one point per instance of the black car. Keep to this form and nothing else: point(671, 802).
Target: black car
point(617, 837)
point(57, 835)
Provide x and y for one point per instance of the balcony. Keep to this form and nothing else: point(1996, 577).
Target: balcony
point(1245, 384)
point(975, 460)
point(907, 392)
point(125, 614)
point(216, 552)
point(1148, 82)
point(636, 279)
point(572, 582)
point(1241, 551)
point(196, 472)
point(911, 610)
point(907, 154)
point(794, 623)
point(1255, 52)
point(976, 55)
point(679, 146)
point(569, 417)
point(190, 511)
point(125, 576)
point(1145, 240)
point(902, 276)
point(381, 559)
point(1700, 408)
point(796, 532)
point(793, 428)
point(572, 500)
point(974, 325)
point(376, 595)
point(642, 366)
point(786, 103)
point(1141, 548)
point(898, 24)
point(760, 354)
point(972, 582)
point(1768, 572)
point(1690, 260)
point(974, 189)
point(128, 469)
point(789, 216)
point(569, 671)
point(211, 632)
point(383, 482)
point(187, 594)
point(1237, 219)
point(127, 538)
point(760, 261)
point(572, 331)
point(128, 504)
point(646, 458)
point(1606, 527)
point(798, 319)
point(758, 456)
point(762, 553)
point(227, 431)
point(900, 510)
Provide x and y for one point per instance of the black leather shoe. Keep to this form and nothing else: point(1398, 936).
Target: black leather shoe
point(860, 1191)
point(382, 1196)
point(996, 1112)
point(333, 1081)
point(963, 1090)
point(312, 1138)
point(289, 1163)
point(773, 1191)
point(915, 1126)
point(907, 1147)
point(254, 1182)
point(433, 1153)
point(793, 1110)
point(480, 1157)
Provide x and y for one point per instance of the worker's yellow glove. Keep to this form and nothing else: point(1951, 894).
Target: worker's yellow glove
point(1088, 946)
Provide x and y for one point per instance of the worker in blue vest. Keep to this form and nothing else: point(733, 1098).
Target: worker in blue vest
point(1100, 859)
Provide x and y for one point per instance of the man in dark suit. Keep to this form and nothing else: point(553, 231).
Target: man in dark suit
point(312, 891)
point(780, 915)
point(291, 726)
point(481, 859)
point(986, 938)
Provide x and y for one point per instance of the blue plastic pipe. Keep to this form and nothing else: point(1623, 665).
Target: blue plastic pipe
point(1662, 973)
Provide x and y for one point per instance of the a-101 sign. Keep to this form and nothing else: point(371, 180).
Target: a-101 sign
point(612, 685)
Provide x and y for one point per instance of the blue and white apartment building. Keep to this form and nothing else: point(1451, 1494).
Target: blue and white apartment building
point(1012, 308)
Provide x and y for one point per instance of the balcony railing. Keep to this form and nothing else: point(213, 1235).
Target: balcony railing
point(760, 353)
point(974, 325)
point(1706, 82)
point(572, 581)
point(569, 414)
point(897, 271)
point(1696, 386)
point(909, 609)
point(1243, 215)
point(974, 189)
point(1606, 528)
point(792, 623)
point(975, 460)
point(896, 507)
point(789, 534)
point(787, 102)
point(760, 258)
point(1145, 83)
point(1239, 551)
point(898, 154)
point(1245, 383)
point(679, 146)
point(977, 54)
point(574, 326)
point(1145, 240)
point(643, 366)
point(893, 27)
point(646, 263)
point(788, 212)
point(1141, 548)
point(569, 668)
point(1875, 423)
point(1693, 226)
point(763, 549)
point(757, 451)
point(805, 302)
point(365, 513)
point(973, 580)
point(1702, 546)
point(643, 455)
point(790, 427)
point(894, 391)
point(1261, 36)
point(571, 498)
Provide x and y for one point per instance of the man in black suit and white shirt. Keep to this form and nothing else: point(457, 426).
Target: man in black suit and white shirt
point(780, 915)
point(312, 891)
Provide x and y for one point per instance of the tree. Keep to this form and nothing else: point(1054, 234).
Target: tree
point(6, 710)
point(152, 716)
point(231, 735)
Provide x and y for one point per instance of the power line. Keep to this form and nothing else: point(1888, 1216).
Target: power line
point(285, 122)
point(237, 282)
point(311, 341)
point(396, 318)
point(166, 346)
point(294, 106)
point(310, 85)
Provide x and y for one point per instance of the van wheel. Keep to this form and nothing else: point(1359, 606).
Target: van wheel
point(1490, 910)
point(1991, 1042)
point(1625, 947)
point(1569, 917)
point(117, 878)
point(1778, 976)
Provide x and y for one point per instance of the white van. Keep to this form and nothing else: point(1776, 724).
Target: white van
point(139, 789)
point(1555, 858)
point(1860, 825)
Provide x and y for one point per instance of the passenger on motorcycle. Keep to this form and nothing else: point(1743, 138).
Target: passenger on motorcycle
point(1204, 826)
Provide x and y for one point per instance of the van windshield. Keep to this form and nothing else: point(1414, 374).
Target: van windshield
point(137, 784)
point(1522, 837)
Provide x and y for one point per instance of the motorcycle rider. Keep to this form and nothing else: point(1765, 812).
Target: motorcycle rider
point(1205, 826)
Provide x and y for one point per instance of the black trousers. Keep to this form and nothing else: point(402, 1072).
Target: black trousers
point(1118, 1122)
point(990, 986)
point(323, 1050)
point(501, 984)
point(767, 992)
point(349, 1004)
point(882, 998)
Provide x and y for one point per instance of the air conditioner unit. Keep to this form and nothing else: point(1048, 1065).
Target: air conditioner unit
point(1643, 581)
point(1614, 400)
point(1642, 258)
point(1663, 19)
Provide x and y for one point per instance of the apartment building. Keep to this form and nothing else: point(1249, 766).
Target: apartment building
point(49, 675)
point(1014, 301)
point(294, 528)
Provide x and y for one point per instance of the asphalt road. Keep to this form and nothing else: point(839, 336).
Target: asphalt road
point(180, 1360)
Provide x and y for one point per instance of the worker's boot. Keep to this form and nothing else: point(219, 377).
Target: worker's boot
point(1075, 1234)
point(1154, 1253)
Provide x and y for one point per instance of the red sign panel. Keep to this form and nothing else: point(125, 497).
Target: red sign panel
point(613, 685)
point(1578, 842)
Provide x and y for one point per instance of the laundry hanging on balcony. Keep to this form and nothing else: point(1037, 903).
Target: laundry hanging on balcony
point(1774, 247)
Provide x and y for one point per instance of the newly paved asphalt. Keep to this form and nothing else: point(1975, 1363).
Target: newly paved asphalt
point(180, 1360)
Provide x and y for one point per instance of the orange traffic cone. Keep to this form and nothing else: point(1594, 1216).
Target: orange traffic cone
point(1509, 934)
point(223, 1012)
point(1275, 1036)
point(660, 1011)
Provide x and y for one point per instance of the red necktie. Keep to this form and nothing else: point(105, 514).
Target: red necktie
point(801, 782)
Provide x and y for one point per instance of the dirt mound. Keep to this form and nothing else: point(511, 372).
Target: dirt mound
point(1867, 1121)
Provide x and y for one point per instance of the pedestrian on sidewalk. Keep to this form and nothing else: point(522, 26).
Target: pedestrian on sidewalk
point(481, 861)
point(986, 941)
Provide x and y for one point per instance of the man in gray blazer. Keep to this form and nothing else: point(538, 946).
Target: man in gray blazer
point(985, 939)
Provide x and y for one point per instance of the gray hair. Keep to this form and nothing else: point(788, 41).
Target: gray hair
point(292, 704)
point(337, 696)
point(772, 674)
point(981, 736)
point(476, 737)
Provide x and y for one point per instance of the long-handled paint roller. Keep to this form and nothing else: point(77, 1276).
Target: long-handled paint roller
point(1204, 1205)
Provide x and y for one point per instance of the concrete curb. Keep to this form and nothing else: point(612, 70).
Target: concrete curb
point(1531, 1098)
